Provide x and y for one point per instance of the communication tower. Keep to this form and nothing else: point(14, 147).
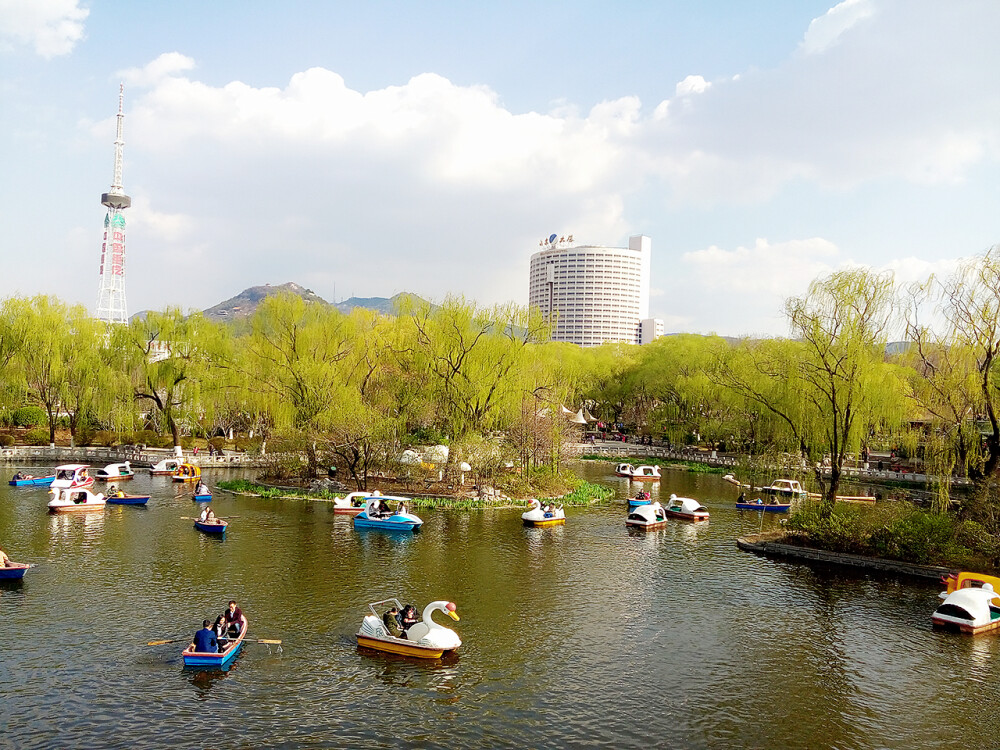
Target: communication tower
point(111, 305)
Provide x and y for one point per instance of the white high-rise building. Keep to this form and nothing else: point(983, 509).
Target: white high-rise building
point(592, 294)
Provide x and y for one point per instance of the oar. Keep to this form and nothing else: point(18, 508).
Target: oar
point(266, 640)
point(168, 640)
point(189, 518)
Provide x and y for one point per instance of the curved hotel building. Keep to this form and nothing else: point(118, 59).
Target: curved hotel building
point(589, 293)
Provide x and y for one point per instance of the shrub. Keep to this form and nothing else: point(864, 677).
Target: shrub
point(37, 436)
point(6, 441)
point(29, 416)
point(218, 443)
point(104, 438)
point(145, 437)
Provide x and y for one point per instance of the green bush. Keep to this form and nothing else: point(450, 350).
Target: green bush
point(104, 438)
point(219, 443)
point(37, 436)
point(29, 416)
point(145, 437)
point(6, 441)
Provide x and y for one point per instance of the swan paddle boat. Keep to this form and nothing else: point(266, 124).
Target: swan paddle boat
point(13, 571)
point(187, 473)
point(75, 500)
point(647, 517)
point(27, 480)
point(376, 515)
point(115, 472)
point(646, 474)
point(550, 515)
point(686, 509)
point(424, 640)
point(220, 660)
point(71, 476)
point(970, 610)
point(624, 470)
point(117, 497)
point(166, 467)
point(353, 503)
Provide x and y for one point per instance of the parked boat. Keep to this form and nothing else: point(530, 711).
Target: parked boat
point(966, 580)
point(646, 474)
point(425, 640)
point(27, 480)
point(785, 488)
point(216, 526)
point(970, 610)
point(13, 571)
point(536, 515)
point(115, 472)
point(624, 470)
point(117, 497)
point(165, 467)
point(187, 473)
point(220, 660)
point(686, 508)
point(647, 517)
point(376, 515)
point(75, 500)
point(844, 498)
point(72, 475)
point(352, 503)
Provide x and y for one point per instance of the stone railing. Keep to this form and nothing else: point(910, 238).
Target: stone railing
point(140, 456)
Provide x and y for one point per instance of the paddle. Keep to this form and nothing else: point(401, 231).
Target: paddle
point(168, 640)
point(270, 641)
point(190, 518)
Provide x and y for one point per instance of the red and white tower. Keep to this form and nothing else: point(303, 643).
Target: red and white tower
point(111, 305)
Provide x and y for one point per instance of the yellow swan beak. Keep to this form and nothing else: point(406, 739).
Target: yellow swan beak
point(453, 615)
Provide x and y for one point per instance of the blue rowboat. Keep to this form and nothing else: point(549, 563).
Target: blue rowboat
point(128, 500)
point(635, 502)
point(212, 528)
point(13, 572)
point(33, 482)
point(202, 498)
point(761, 505)
point(216, 661)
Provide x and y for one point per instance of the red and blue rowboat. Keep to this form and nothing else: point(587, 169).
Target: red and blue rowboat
point(216, 661)
point(33, 482)
point(13, 571)
point(128, 500)
point(219, 527)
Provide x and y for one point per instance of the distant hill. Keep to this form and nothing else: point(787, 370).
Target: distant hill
point(246, 302)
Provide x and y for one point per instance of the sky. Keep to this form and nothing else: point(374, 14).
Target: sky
point(366, 149)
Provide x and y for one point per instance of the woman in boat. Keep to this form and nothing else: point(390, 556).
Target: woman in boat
point(4, 560)
point(409, 617)
point(201, 489)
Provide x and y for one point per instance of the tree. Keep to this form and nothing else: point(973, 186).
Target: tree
point(45, 363)
point(843, 322)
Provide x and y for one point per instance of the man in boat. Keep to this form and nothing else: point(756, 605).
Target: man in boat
point(235, 621)
point(391, 621)
point(205, 641)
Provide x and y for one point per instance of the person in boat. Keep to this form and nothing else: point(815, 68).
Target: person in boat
point(18, 475)
point(235, 622)
point(5, 562)
point(742, 498)
point(205, 641)
point(219, 628)
point(391, 621)
point(408, 617)
point(201, 489)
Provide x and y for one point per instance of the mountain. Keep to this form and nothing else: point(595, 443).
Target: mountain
point(246, 302)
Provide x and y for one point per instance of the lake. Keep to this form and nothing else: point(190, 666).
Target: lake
point(582, 635)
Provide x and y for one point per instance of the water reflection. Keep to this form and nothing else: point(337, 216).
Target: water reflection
point(203, 680)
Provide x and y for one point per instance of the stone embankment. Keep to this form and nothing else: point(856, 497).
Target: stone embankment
point(137, 455)
point(775, 544)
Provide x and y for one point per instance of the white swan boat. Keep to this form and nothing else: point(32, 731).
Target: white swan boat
point(165, 467)
point(971, 610)
point(624, 470)
point(646, 474)
point(75, 500)
point(353, 502)
point(536, 515)
point(686, 508)
point(71, 475)
point(115, 472)
point(425, 639)
point(648, 517)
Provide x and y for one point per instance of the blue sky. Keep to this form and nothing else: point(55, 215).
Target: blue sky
point(370, 148)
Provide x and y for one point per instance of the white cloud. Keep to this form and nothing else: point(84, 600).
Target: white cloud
point(825, 31)
point(692, 85)
point(167, 64)
point(51, 27)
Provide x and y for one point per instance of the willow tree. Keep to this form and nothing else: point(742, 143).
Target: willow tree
point(13, 337)
point(165, 355)
point(44, 363)
point(91, 382)
point(842, 323)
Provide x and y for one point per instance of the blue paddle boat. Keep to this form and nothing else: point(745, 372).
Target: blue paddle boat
point(377, 515)
point(223, 659)
point(26, 480)
point(120, 498)
point(13, 571)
